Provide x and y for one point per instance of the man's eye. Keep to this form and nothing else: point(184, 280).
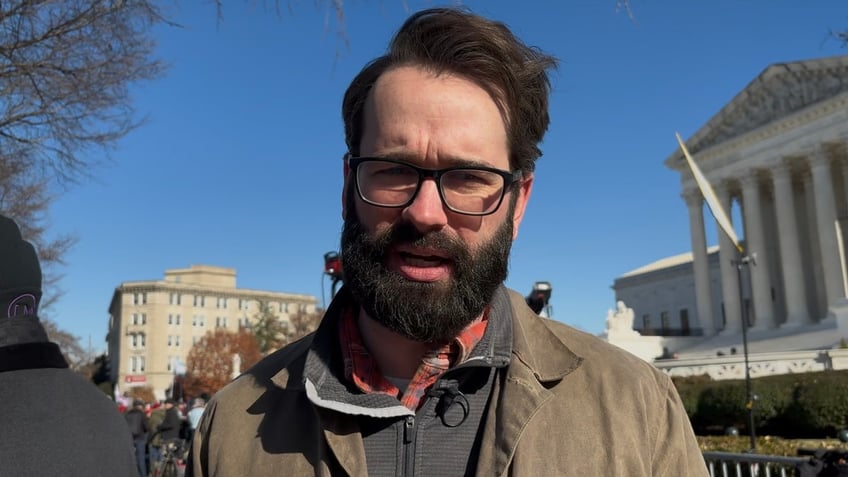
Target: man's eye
point(395, 171)
point(477, 177)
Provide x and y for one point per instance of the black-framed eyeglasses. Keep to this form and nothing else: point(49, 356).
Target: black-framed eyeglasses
point(463, 189)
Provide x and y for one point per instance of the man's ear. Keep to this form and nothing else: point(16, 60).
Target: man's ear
point(523, 190)
point(346, 175)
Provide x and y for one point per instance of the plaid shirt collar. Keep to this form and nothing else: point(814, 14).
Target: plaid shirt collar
point(362, 369)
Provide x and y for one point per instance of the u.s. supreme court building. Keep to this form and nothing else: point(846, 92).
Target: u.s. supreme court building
point(778, 153)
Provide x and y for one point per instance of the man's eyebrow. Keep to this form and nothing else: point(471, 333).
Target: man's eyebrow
point(447, 161)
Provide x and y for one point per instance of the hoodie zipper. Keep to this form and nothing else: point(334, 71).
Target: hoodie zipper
point(409, 446)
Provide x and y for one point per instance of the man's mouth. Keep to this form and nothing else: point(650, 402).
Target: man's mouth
point(417, 260)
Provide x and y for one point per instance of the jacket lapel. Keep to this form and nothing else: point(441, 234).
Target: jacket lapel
point(345, 442)
point(540, 359)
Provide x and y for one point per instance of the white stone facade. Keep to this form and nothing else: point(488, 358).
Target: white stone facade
point(779, 153)
point(778, 150)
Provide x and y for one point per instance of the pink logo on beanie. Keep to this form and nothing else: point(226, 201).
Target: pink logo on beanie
point(23, 305)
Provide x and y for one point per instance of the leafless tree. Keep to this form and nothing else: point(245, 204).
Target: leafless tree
point(78, 357)
point(65, 71)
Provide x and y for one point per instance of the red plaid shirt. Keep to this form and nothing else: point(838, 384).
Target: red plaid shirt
point(362, 369)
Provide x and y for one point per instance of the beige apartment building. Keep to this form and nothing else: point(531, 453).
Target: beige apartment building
point(153, 324)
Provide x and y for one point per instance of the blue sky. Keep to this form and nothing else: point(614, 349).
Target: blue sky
point(239, 162)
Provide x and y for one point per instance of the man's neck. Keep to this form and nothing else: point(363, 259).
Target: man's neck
point(396, 355)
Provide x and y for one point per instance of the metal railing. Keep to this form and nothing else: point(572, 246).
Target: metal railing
point(728, 464)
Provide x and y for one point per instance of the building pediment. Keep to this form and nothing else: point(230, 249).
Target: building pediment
point(780, 90)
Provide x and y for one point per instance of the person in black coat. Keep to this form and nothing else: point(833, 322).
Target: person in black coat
point(139, 428)
point(52, 421)
point(171, 425)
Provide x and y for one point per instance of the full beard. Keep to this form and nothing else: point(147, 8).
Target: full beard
point(430, 312)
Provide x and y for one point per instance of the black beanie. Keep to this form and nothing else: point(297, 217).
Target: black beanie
point(20, 288)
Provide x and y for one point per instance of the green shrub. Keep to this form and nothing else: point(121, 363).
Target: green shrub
point(690, 389)
point(820, 406)
point(791, 405)
point(722, 405)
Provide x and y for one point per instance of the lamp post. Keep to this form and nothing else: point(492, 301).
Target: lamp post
point(745, 260)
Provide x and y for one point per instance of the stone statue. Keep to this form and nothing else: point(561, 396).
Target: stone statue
point(621, 320)
point(236, 365)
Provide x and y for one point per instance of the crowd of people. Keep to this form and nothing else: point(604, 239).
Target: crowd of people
point(154, 425)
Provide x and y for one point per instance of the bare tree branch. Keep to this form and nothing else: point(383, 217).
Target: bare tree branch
point(65, 71)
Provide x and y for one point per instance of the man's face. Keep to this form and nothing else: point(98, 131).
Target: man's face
point(424, 271)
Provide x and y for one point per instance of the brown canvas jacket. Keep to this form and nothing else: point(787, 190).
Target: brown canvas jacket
point(570, 405)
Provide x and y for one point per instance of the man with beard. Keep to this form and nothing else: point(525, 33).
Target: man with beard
point(425, 364)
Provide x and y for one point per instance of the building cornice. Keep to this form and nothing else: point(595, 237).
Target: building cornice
point(783, 96)
point(719, 155)
point(224, 292)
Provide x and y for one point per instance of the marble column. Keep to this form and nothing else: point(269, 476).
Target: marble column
point(700, 261)
point(729, 278)
point(817, 297)
point(845, 179)
point(756, 247)
point(790, 248)
point(825, 223)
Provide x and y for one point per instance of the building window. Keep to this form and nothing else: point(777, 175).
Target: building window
point(244, 322)
point(138, 340)
point(137, 364)
point(198, 320)
point(221, 322)
point(170, 340)
point(175, 299)
point(140, 298)
point(286, 306)
point(684, 322)
point(664, 322)
point(170, 363)
point(177, 341)
point(179, 320)
point(199, 300)
point(222, 302)
point(646, 323)
point(139, 318)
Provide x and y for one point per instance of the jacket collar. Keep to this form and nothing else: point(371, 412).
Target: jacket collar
point(31, 356)
point(537, 347)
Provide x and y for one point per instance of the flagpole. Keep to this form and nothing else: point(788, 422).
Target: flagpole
point(743, 261)
point(726, 226)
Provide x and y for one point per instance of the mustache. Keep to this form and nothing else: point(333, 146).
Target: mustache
point(405, 233)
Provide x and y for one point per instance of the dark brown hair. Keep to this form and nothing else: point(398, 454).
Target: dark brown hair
point(456, 41)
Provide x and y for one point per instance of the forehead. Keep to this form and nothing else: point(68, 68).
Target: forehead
point(418, 115)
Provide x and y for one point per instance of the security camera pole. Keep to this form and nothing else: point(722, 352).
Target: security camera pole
point(743, 260)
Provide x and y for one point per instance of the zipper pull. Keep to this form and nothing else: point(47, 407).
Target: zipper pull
point(408, 427)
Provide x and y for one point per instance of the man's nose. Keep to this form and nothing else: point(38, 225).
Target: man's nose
point(427, 212)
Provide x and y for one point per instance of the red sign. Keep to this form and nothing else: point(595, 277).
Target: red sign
point(138, 378)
